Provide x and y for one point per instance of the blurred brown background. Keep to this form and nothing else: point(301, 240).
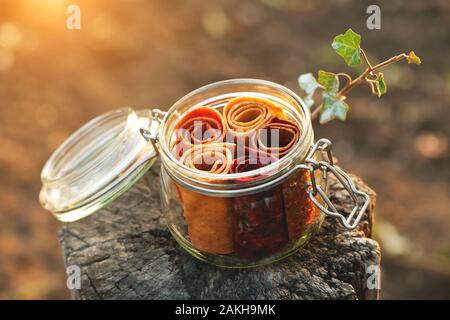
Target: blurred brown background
point(147, 53)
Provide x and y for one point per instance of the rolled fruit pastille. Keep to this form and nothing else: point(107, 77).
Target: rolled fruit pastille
point(259, 222)
point(286, 134)
point(208, 218)
point(244, 115)
point(198, 126)
point(298, 207)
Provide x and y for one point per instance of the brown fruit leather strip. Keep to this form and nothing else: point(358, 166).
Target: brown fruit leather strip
point(208, 218)
point(286, 134)
point(243, 115)
point(214, 158)
point(209, 222)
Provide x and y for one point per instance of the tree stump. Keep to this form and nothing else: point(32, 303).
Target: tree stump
point(125, 251)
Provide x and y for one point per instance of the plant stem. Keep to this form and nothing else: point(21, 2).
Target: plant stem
point(349, 79)
point(390, 61)
point(354, 83)
point(316, 112)
point(362, 77)
point(365, 58)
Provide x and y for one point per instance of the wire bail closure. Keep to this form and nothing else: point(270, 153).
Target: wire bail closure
point(152, 134)
point(314, 189)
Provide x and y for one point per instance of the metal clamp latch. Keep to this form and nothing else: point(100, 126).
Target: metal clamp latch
point(152, 133)
point(360, 199)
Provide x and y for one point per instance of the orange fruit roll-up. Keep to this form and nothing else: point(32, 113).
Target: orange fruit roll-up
point(208, 218)
point(198, 126)
point(243, 115)
point(299, 208)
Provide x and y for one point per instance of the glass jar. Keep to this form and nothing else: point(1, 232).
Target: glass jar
point(232, 220)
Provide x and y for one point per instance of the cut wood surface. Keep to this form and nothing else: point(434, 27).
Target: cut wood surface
point(125, 251)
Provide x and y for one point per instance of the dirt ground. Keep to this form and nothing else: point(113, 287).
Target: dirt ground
point(145, 54)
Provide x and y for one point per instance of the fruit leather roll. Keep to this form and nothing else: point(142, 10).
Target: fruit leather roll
point(299, 209)
point(244, 115)
point(208, 218)
point(259, 222)
point(198, 126)
point(277, 137)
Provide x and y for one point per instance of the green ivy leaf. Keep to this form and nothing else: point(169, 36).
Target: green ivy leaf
point(413, 58)
point(329, 80)
point(347, 45)
point(333, 107)
point(380, 85)
point(309, 84)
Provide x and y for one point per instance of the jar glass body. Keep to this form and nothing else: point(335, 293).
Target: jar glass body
point(240, 220)
point(285, 232)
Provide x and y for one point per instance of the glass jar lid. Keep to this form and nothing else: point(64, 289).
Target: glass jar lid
point(97, 163)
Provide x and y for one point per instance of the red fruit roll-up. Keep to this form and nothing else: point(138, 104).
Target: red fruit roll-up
point(259, 222)
point(277, 138)
point(198, 126)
